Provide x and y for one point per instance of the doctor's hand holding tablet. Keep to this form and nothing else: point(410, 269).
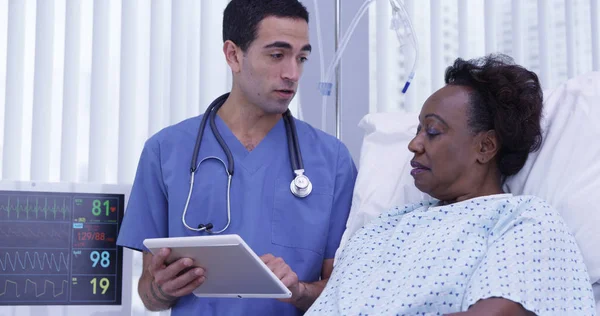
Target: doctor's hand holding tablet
point(176, 279)
point(183, 276)
point(217, 266)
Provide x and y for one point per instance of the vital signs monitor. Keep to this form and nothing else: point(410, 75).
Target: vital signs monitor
point(58, 246)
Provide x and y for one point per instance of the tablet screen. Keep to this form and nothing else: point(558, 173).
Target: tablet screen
point(232, 268)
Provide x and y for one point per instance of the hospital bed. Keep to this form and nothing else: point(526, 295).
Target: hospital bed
point(565, 171)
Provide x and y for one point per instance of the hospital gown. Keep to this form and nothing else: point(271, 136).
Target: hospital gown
point(425, 259)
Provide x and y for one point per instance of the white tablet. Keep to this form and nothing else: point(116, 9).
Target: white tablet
point(232, 269)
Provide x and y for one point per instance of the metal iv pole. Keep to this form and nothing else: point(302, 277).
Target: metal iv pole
point(338, 90)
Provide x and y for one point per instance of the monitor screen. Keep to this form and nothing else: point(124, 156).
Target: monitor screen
point(60, 248)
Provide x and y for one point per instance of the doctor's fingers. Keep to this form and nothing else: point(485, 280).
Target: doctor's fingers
point(175, 269)
point(281, 269)
point(277, 265)
point(184, 284)
point(158, 260)
point(283, 272)
point(289, 279)
point(268, 258)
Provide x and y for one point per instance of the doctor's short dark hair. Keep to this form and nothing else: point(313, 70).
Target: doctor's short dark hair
point(241, 17)
point(506, 98)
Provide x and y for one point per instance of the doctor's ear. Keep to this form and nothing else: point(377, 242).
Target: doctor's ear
point(488, 146)
point(233, 55)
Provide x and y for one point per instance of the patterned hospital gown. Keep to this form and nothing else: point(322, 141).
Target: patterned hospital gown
point(430, 260)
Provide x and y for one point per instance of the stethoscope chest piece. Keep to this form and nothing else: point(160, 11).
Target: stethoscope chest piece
point(301, 185)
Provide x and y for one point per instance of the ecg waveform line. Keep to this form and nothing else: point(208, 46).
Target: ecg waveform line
point(28, 232)
point(36, 210)
point(37, 260)
point(34, 286)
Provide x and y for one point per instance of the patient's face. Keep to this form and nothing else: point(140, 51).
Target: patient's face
point(444, 147)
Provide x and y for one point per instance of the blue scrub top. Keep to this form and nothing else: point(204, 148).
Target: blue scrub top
point(304, 232)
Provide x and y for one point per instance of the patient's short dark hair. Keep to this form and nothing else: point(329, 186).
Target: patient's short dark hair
point(506, 98)
point(241, 17)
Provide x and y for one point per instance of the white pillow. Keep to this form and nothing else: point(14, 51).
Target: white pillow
point(384, 179)
point(565, 171)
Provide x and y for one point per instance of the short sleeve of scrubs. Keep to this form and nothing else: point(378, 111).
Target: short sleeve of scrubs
point(342, 199)
point(534, 261)
point(146, 213)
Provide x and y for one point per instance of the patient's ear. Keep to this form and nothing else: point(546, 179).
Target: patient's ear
point(488, 146)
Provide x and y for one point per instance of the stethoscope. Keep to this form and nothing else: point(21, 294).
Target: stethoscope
point(300, 186)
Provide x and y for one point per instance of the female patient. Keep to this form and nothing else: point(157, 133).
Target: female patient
point(474, 250)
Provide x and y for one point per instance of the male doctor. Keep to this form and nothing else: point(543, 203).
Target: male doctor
point(266, 45)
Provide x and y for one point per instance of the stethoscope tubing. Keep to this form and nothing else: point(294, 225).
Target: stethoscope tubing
point(209, 116)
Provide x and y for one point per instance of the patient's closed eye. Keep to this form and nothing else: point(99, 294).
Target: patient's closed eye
point(431, 132)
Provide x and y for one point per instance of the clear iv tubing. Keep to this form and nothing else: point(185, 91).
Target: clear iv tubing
point(344, 41)
point(319, 40)
point(325, 85)
point(407, 27)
